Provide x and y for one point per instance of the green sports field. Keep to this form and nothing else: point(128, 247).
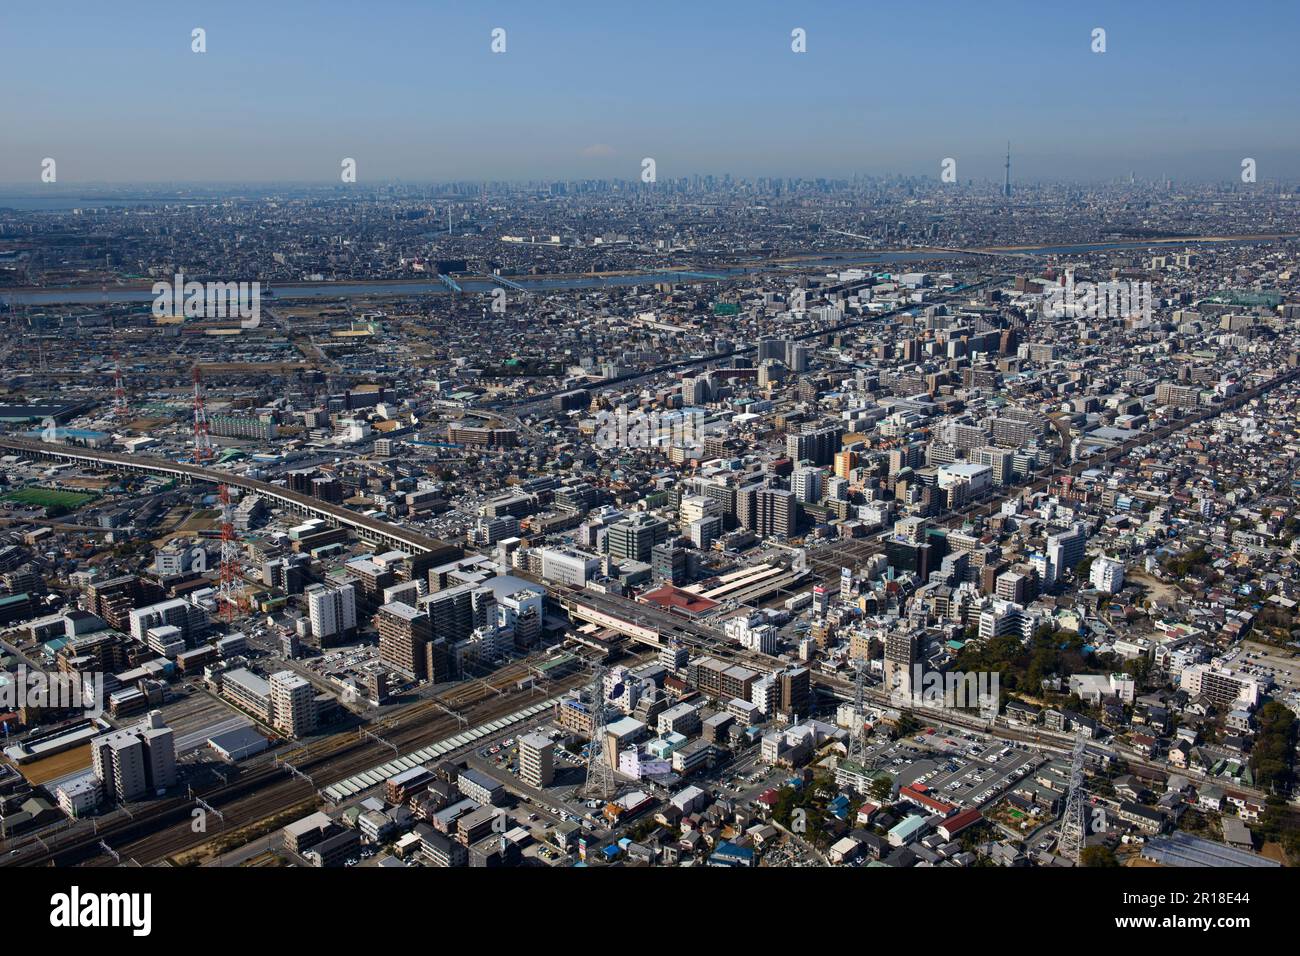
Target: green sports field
point(49, 498)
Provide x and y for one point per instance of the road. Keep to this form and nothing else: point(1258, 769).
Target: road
point(518, 405)
point(254, 795)
point(262, 788)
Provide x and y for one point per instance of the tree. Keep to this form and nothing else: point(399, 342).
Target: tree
point(881, 788)
point(1271, 757)
point(907, 724)
point(1098, 856)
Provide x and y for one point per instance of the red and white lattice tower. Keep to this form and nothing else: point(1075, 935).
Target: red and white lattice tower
point(203, 450)
point(227, 597)
point(120, 408)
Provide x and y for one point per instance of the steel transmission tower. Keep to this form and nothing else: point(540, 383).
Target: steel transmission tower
point(858, 734)
point(120, 407)
point(1074, 821)
point(230, 562)
point(203, 450)
point(600, 772)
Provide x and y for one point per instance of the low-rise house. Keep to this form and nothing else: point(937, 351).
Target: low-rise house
point(1146, 819)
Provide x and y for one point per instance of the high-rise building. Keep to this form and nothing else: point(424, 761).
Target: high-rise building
point(536, 760)
point(815, 444)
point(695, 507)
point(806, 483)
point(775, 512)
point(190, 619)
point(332, 609)
point(845, 462)
point(137, 762)
point(1183, 396)
point(569, 566)
point(522, 612)
point(900, 654)
point(1000, 460)
point(1012, 586)
point(796, 691)
point(705, 531)
point(1066, 550)
point(903, 557)
point(669, 563)
point(1015, 427)
point(457, 612)
point(403, 633)
point(697, 390)
point(963, 436)
point(771, 349)
point(725, 496)
point(1226, 688)
point(765, 694)
point(293, 704)
point(633, 538)
point(1107, 574)
point(906, 456)
point(288, 573)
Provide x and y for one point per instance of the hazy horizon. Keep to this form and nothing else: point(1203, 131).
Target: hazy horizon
point(413, 92)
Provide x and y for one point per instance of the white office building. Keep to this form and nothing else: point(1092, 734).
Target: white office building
point(569, 566)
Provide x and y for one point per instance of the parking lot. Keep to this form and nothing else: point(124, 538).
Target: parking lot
point(963, 769)
point(1266, 664)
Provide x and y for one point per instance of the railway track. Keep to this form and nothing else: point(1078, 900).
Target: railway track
point(267, 789)
point(258, 794)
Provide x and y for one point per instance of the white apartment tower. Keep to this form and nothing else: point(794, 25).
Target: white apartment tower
point(1107, 574)
point(332, 609)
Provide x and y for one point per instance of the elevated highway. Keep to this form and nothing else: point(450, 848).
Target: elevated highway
point(368, 528)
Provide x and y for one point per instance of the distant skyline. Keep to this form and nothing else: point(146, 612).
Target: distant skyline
point(412, 91)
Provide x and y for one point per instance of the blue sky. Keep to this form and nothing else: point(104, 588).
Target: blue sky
point(412, 91)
